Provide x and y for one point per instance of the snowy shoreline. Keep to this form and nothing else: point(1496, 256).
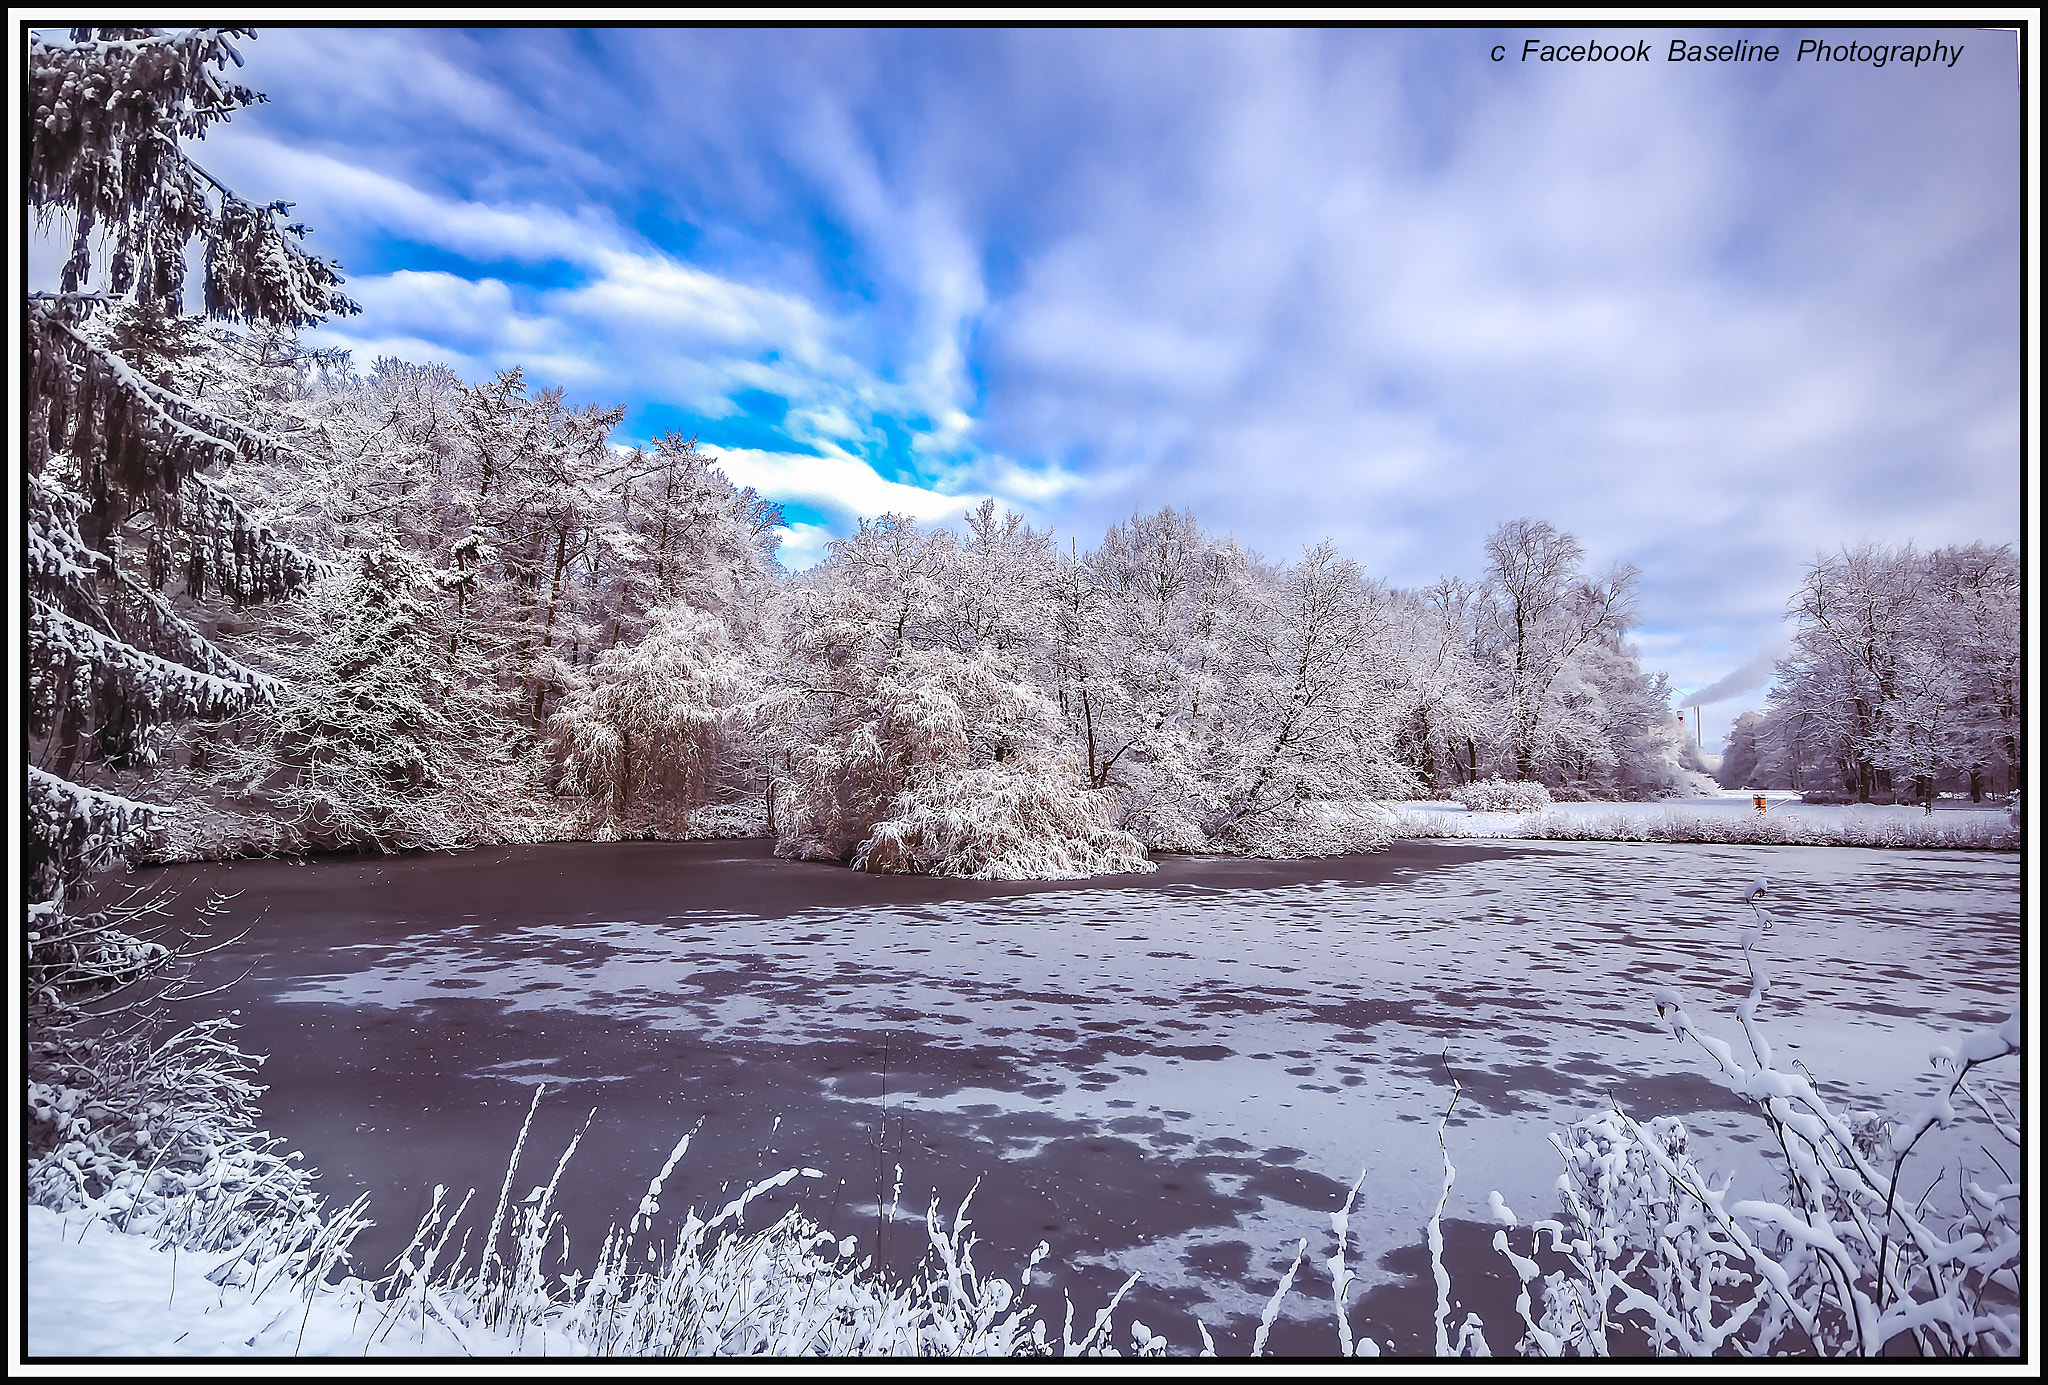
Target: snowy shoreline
point(1730, 819)
point(94, 1291)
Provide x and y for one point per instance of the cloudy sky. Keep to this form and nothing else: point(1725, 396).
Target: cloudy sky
point(1366, 284)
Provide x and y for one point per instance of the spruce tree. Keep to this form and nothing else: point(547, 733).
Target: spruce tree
point(116, 452)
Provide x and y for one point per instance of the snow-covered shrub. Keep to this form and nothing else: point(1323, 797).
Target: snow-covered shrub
point(1017, 819)
point(1497, 795)
point(209, 826)
point(725, 821)
point(1315, 827)
point(133, 1118)
point(957, 772)
point(149, 1128)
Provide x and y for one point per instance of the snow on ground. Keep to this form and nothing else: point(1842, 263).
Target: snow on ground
point(1447, 817)
point(93, 1291)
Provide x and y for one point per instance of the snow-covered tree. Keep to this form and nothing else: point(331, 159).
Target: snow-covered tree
point(538, 486)
point(1794, 749)
point(643, 740)
point(1904, 666)
point(1228, 704)
point(694, 538)
point(909, 734)
point(1537, 611)
point(1975, 593)
point(123, 445)
point(373, 462)
point(1303, 734)
point(653, 732)
point(1442, 725)
point(117, 447)
point(1528, 673)
point(1927, 726)
point(1741, 760)
point(1857, 611)
point(1638, 749)
point(999, 583)
point(1145, 629)
point(373, 742)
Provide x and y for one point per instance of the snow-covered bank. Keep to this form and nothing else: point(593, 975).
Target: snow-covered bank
point(715, 1289)
point(93, 1291)
point(1731, 819)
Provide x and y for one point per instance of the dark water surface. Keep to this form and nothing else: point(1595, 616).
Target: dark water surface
point(1179, 1073)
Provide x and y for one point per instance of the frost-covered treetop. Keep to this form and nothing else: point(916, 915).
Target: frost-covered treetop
point(107, 113)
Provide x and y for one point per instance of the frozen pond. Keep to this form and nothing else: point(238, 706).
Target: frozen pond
point(1179, 1074)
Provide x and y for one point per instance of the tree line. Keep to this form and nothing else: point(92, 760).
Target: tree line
point(505, 625)
point(1906, 679)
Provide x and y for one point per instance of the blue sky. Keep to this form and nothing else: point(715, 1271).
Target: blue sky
point(1363, 284)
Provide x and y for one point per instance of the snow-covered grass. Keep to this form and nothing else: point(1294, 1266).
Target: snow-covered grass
point(1497, 795)
point(711, 1288)
point(1725, 820)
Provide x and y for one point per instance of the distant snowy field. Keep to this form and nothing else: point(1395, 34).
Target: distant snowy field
point(1446, 817)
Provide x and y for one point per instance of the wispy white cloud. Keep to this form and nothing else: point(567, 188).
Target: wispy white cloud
point(655, 294)
point(1361, 284)
point(838, 484)
point(356, 200)
point(804, 545)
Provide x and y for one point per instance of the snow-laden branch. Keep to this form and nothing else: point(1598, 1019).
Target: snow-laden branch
point(1838, 1259)
point(59, 643)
